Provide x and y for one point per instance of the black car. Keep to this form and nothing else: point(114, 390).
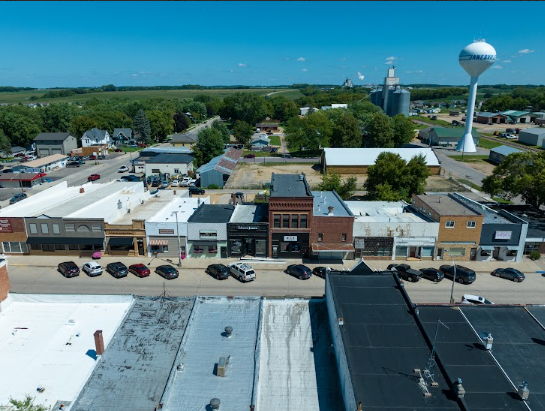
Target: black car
point(432, 274)
point(118, 270)
point(130, 177)
point(319, 271)
point(167, 271)
point(68, 269)
point(274, 150)
point(299, 270)
point(17, 197)
point(73, 164)
point(509, 273)
point(219, 271)
point(155, 183)
point(405, 272)
point(464, 275)
point(196, 190)
point(101, 157)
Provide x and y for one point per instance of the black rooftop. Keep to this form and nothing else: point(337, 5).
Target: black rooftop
point(290, 185)
point(212, 213)
point(171, 159)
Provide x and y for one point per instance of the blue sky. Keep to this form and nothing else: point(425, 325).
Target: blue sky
point(56, 44)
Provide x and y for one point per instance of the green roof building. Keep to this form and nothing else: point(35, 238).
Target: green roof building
point(442, 136)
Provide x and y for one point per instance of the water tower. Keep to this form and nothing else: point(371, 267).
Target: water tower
point(474, 59)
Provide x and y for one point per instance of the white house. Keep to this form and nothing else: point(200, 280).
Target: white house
point(169, 164)
point(96, 137)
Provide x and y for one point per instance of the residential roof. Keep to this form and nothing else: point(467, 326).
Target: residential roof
point(17, 149)
point(127, 132)
point(204, 344)
point(133, 371)
point(212, 213)
point(171, 159)
point(505, 150)
point(95, 134)
point(19, 176)
point(52, 136)
point(289, 185)
point(183, 138)
point(444, 205)
point(514, 113)
point(45, 161)
point(47, 341)
point(325, 199)
point(254, 213)
point(266, 124)
point(534, 130)
point(368, 156)
point(453, 132)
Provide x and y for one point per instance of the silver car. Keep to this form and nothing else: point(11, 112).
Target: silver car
point(92, 269)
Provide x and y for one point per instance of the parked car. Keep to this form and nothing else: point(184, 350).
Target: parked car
point(139, 270)
point(123, 169)
point(249, 156)
point(320, 271)
point(164, 183)
point(511, 137)
point(155, 183)
point(93, 177)
point(142, 145)
point(174, 183)
point(509, 273)
point(118, 150)
point(464, 275)
point(274, 150)
point(73, 164)
point(196, 190)
point(168, 272)
point(242, 271)
point(299, 270)
point(92, 269)
point(92, 157)
point(68, 269)
point(219, 271)
point(474, 299)
point(432, 274)
point(118, 270)
point(405, 272)
point(130, 177)
point(101, 157)
point(17, 197)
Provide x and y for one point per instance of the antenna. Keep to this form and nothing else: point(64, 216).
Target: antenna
point(429, 371)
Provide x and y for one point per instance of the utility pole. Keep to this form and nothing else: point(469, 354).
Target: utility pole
point(178, 237)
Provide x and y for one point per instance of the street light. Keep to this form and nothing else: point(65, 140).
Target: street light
point(453, 278)
point(178, 236)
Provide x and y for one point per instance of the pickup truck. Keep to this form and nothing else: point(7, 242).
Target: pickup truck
point(242, 271)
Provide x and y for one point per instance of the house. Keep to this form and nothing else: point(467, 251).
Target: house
point(218, 170)
point(532, 136)
point(358, 160)
point(15, 150)
point(260, 141)
point(169, 164)
point(491, 118)
point(267, 126)
point(186, 139)
point(207, 231)
point(443, 136)
point(498, 154)
point(46, 164)
point(123, 136)
point(332, 106)
point(515, 117)
point(96, 137)
point(55, 143)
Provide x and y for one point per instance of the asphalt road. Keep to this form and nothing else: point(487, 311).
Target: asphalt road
point(312, 160)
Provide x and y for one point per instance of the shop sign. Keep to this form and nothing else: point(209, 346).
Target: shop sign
point(503, 235)
point(166, 231)
point(5, 226)
point(247, 227)
point(290, 238)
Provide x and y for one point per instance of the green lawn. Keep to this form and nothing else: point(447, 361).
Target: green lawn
point(433, 122)
point(501, 200)
point(469, 158)
point(484, 143)
point(131, 149)
point(275, 140)
point(469, 183)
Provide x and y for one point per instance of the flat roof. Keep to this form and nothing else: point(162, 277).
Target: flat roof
point(296, 371)
point(534, 130)
point(383, 212)
point(444, 205)
point(185, 205)
point(384, 345)
point(490, 216)
point(325, 199)
point(19, 176)
point(203, 345)
point(149, 209)
point(45, 160)
point(289, 185)
point(47, 341)
point(133, 372)
point(533, 216)
point(212, 213)
point(368, 156)
point(254, 213)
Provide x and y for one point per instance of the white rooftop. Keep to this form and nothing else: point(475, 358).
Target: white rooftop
point(368, 156)
point(382, 212)
point(149, 208)
point(47, 341)
point(185, 205)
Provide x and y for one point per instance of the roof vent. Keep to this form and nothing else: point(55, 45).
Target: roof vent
point(221, 367)
point(523, 391)
point(341, 321)
point(215, 403)
point(330, 210)
point(228, 331)
point(180, 367)
point(301, 176)
point(460, 390)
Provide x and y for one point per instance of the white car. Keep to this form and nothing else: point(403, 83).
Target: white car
point(474, 299)
point(174, 183)
point(92, 269)
point(123, 169)
point(511, 137)
point(244, 272)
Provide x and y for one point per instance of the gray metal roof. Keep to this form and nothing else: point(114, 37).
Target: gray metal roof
point(95, 133)
point(212, 213)
point(52, 136)
point(289, 185)
point(183, 138)
point(127, 132)
point(505, 150)
point(535, 130)
point(325, 199)
point(255, 213)
point(133, 371)
point(167, 158)
point(490, 216)
point(205, 342)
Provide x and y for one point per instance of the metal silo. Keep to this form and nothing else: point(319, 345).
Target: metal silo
point(376, 97)
point(401, 102)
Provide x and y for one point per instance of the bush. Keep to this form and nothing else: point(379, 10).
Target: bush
point(535, 255)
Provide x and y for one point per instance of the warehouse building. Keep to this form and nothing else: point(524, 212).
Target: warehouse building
point(516, 117)
point(443, 136)
point(532, 136)
point(498, 154)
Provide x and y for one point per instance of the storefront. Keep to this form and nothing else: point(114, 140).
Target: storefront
point(67, 245)
point(414, 248)
point(248, 239)
point(374, 247)
point(290, 245)
point(332, 251)
point(125, 239)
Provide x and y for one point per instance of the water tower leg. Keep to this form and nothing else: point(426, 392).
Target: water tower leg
point(466, 144)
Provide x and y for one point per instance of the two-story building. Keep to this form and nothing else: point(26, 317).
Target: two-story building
point(96, 137)
point(123, 136)
point(55, 143)
point(207, 231)
point(248, 231)
point(169, 164)
point(460, 226)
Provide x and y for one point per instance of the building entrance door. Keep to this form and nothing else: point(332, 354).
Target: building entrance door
point(140, 242)
point(249, 248)
point(473, 255)
point(274, 251)
point(439, 253)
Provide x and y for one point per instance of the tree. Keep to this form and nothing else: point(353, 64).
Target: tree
point(311, 132)
point(181, 122)
point(57, 117)
point(109, 87)
point(5, 144)
point(197, 110)
point(142, 128)
point(26, 405)
point(403, 129)
point(283, 109)
point(161, 123)
point(244, 106)
point(243, 132)
point(209, 145)
point(416, 174)
point(80, 124)
point(379, 131)
point(222, 128)
point(333, 182)
point(363, 109)
point(20, 129)
point(346, 131)
point(519, 174)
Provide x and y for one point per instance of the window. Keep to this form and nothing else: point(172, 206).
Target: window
point(197, 249)
point(14, 247)
point(285, 221)
point(457, 251)
point(343, 237)
point(449, 224)
point(48, 247)
point(471, 224)
point(303, 221)
point(96, 227)
point(70, 227)
point(44, 228)
point(294, 221)
point(83, 228)
point(56, 229)
point(176, 171)
point(33, 228)
point(155, 171)
point(73, 247)
point(59, 247)
point(212, 249)
point(159, 249)
point(236, 247)
point(320, 237)
point(276, 219)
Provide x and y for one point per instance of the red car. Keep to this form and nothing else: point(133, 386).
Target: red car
point(93, 158)
point(93, 177)
point(249, 156)
point(142, 145)
point(140, 270)
point(118, 150)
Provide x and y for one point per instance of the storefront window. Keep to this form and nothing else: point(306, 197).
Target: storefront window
point(14, 247)
point(426, 252)
point(159, 249)
point(529, 247)
point(212, 249)
point(261, 247)
point(303, 221)
point(236, 246)
point(197, 249)
point(285, 221)
point(401, 251)
point(276, 221)
point(294, 221)
point(457, 251)
point(73, 247)
point(289, 247)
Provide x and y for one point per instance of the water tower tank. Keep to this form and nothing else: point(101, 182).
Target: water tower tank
point(477, 57)
point(401, 102)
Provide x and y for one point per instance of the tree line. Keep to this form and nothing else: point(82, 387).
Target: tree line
point(520, 99)
point(435, 93)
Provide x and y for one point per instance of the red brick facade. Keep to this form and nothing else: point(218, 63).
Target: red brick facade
point(332, 229)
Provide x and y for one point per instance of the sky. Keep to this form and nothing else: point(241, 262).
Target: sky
point(85, 44)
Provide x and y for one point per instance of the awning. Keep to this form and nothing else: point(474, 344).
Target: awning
point(512, 247)
point(331, 247)
point(487, 247)
point(65, 240)
point(120, 241)
point(204, 242)
point(158, 242)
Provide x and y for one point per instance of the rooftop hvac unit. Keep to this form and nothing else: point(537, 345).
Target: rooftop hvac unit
point(222, 366)
point(215, 403)
point(523, 391)
point(228, 331)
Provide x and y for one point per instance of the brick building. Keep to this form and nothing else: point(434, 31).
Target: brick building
point(13, 235)
point(459, 226)
point(4, 280)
